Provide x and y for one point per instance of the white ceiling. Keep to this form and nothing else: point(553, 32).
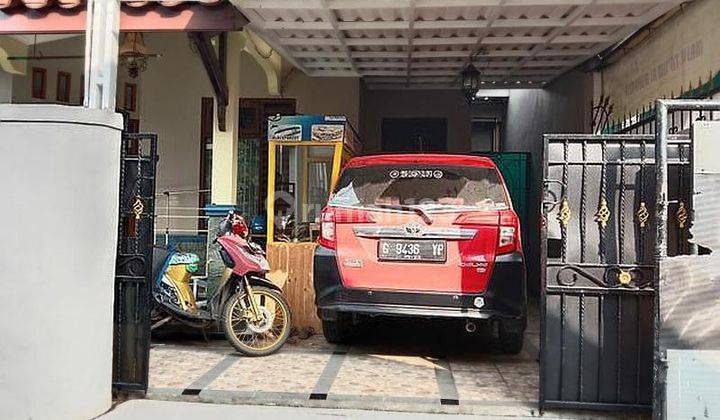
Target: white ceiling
point(41, 38)
point(426, 43)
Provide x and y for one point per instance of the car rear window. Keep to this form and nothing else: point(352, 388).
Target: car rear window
point(427, 186)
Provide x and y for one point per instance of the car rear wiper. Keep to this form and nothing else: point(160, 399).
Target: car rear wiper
point(425, 216)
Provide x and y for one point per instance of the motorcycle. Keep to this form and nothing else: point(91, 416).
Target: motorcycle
point(254, 314)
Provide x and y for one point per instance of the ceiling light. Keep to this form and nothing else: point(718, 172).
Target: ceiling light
point(134, 54)
point(470, 82)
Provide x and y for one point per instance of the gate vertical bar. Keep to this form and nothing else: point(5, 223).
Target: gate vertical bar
point(661, 215)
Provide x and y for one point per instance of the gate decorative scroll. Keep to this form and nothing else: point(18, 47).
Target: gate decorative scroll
point(598, 284)
point(131, 335)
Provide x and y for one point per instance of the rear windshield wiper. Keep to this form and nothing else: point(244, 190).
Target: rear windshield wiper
point(425, 216)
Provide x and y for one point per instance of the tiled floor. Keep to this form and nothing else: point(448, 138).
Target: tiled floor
point(406, 366)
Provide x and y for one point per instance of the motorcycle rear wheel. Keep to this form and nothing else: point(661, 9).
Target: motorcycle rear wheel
point(257, 339)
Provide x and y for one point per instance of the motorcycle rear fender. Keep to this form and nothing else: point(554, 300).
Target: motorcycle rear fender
point(261, 281)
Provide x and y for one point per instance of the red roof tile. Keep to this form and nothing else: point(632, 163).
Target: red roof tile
point(71, 4)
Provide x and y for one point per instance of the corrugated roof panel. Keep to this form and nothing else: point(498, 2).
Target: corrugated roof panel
point(538, 42)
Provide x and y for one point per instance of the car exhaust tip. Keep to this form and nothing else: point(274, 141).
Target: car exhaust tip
point(470, 327)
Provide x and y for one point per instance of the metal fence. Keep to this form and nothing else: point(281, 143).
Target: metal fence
point(181, 226)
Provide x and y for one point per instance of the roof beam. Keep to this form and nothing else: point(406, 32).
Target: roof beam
point(257, 24)
point(541, 41)
point(378, 54)
point(411, 38)
point(311, 41)
point(555, 37)
point(452, 86)
point(418, 65)
point(579, 39)
point(298, 25)
point(452, 54)
point(332, 18)
point(491, 17)
point(650, 15)
point(374, 25)
point(450, 24)
point(399, 4)
point(567, 52)
point(320, 54)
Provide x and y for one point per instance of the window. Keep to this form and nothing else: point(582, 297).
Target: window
point(63, 86)
point(485, 135)
point(414, 134)
point(431, 187)
point(130, 103)
point(39, 82)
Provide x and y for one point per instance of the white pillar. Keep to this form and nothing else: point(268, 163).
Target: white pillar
point(102, 37)
point(57, 256)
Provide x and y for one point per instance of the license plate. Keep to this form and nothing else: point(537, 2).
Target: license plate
point(410, 250)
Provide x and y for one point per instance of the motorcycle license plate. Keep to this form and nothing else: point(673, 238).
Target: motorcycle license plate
point(412, 250)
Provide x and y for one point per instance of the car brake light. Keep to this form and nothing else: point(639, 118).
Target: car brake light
point(330, 217)
point(327, 228)
point(344, 215)
point(509, 233)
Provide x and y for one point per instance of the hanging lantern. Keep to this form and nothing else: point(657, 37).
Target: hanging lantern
point(470, 82)
point(134, 54)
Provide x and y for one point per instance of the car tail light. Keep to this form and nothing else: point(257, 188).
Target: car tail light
point(327, 228)
point(508, 233)
point(330, 217)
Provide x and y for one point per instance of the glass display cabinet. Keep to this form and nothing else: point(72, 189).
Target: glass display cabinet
point(305, 154)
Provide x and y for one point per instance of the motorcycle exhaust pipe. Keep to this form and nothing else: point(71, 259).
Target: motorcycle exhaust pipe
point(470, 327)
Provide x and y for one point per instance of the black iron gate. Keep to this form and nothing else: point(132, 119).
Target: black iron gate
point(131, 335)
point(598, 285)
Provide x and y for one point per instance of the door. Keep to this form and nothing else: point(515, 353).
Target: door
point(598, 287)
point(414, 135)
point(253, 150)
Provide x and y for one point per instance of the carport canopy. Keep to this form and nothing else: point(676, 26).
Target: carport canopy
point(426, 43)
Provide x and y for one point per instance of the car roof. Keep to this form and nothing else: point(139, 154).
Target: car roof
point(421, 159)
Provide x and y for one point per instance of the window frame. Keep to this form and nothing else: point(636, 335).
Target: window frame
point(42, 89)
point(65, 97)
point(130, 100)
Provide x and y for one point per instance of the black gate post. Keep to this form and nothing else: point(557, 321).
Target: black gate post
point(136, 231)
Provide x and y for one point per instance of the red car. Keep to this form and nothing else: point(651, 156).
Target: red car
point(421, 235)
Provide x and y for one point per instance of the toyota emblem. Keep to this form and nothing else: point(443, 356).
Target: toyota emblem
point(413, 229)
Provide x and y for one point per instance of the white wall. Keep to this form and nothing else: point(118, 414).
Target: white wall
point(170, 94)
point(168, 104)
point(683, 51)
point(60, 207)
point(313, 95)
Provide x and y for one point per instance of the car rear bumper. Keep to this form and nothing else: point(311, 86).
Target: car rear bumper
point(505, 297)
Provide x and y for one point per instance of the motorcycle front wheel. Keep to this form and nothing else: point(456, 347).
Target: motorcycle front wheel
point(257, 337)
